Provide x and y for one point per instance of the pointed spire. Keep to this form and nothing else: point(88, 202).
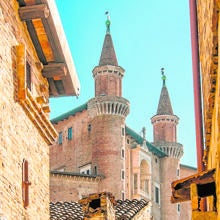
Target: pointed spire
point(164, 106)
point(108, 56)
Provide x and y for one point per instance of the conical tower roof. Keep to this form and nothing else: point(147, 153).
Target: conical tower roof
point(164, 106)
point(108, 56)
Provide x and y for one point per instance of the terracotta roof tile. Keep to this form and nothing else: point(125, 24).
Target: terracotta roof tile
point(72, 210)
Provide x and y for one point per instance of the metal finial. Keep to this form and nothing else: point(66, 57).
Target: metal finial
point(108, 22)
point(163, 76)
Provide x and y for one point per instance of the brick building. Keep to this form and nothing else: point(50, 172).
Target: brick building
point(96, 151)
point(35, 64)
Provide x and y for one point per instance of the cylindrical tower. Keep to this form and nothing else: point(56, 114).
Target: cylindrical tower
point(165, 138)
point(107, 112)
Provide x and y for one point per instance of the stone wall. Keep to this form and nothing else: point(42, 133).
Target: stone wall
point(20, 138)
point(208, 30)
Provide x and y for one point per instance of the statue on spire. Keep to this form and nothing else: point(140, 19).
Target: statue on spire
point(163, 76)
point(108, 22)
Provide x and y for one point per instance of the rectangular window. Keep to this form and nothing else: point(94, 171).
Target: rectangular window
point(95, 170)
point(122, 174)
point(178, 172)
point(122, 153)
point(123, 196)
point(135, 181)
point(70, 133)
point(60, 138)
point(123, 131)
point(178, 207)
point(28, 76)
point(157, 196)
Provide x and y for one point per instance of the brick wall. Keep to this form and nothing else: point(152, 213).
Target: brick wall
point(71, 188)
point(107, 142)
point(168, 170)
point(76, 152)
point(20, 139)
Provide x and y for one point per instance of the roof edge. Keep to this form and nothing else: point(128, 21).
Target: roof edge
point(69, 113)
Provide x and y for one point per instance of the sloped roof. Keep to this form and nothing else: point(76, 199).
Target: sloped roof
point(69, 113)
point(65, 173)
point(129, 208)
point(73, 210)
point(66, 211)
point(164, 106)
point(108, 56)
point(140, 141)
point(48, 37)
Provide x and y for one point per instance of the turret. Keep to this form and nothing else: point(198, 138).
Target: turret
point(165, 124)
point(108, 111)
point(165, 138)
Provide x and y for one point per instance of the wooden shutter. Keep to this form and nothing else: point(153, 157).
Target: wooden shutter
point(25, 183)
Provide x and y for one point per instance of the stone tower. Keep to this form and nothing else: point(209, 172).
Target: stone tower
point(165, 138)
point(107, 112)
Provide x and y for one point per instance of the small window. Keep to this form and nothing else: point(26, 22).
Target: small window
point(60, 138)
point(89, 127)
point(28, 76)
point(123, 131)
point(122, 153)
point(123, 196)
point(135, 181)
point(87, 172)
point(157, 196)
point(70, 133)
point(128, 141)
point(178, 207)
point(178, 172)
point(95, 170)
point(122, 174)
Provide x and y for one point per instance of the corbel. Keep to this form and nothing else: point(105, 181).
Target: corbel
point(33, 12)
point(54, 70)
point(41, 100)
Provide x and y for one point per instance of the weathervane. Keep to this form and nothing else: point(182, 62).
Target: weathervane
point(163, 76)
point(108, 22)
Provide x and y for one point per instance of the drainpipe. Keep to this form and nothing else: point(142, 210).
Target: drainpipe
point(196, 84)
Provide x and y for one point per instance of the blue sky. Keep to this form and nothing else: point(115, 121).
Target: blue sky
point(147, 36)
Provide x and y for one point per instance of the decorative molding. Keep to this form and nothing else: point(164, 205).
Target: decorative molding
point(76, 176)
point(30, 104)
point(109, 105)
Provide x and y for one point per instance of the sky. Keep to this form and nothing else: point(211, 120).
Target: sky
point(147, 36)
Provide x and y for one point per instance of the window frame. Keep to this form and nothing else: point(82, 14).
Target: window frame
point(157, 195)
point(60, 138)
point(70, 133)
